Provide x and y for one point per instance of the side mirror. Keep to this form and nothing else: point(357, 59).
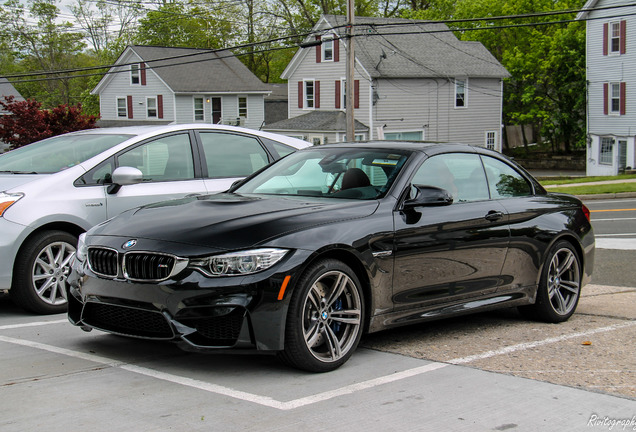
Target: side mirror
point(123, 176)
point(429, 196)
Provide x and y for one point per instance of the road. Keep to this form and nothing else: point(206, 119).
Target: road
point(486, 372)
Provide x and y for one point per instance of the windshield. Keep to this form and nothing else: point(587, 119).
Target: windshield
point(351, 173)
point(57, 153)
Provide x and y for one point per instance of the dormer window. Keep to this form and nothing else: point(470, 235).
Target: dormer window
point(134, 75)
point(327, 48)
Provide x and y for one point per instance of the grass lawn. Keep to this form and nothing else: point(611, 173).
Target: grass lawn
point(558, 181)
point(596, 189)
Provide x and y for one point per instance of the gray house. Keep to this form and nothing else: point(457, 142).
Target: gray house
point(413, 80)
point(611, 76)
point(7, 89)
point(161, 85)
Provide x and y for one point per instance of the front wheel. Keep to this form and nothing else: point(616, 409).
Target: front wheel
point(560, 286)
point(325, 318)
point(41, 271)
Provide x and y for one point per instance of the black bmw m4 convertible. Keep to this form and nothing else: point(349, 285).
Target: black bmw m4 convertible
point(303, 257)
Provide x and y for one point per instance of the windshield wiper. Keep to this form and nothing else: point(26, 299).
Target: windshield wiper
point(18, 172)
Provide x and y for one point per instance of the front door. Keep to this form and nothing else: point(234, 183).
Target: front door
point(453, 253)
point(216, 110)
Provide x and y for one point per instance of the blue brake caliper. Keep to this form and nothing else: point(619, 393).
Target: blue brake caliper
point(335, 326)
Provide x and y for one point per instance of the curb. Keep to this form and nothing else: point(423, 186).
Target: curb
point(606, 196)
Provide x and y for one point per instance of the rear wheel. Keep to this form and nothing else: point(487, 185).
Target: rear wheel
point(325, 317)
point(560, 287)
point(41, 271)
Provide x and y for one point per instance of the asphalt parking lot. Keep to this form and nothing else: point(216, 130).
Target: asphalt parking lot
point(492, 371)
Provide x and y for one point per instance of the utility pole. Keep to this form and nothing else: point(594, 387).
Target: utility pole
point(350, 71)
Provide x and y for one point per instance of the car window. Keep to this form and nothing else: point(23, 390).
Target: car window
point(166, 158)
point(351, 174)
point(504, 181)
point(281, 149)
point(229, 155)
point(58, 153)
point(461, 174)
point(101, 174)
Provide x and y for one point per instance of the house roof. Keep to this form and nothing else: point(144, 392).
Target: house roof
point(191, 70)
point(589, 4)
point(322, 121)
point(403, 48)
point(7, 89)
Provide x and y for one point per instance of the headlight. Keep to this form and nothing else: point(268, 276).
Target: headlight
point(7, 200)
point(238, 263)
point(81, 250)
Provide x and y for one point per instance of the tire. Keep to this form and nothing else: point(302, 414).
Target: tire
point(325, 318)
point(560, 286)
point(41, 270)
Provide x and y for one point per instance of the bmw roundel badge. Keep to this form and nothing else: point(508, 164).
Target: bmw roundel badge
point(129, 244)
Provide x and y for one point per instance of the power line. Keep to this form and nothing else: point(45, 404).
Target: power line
point(286, 38)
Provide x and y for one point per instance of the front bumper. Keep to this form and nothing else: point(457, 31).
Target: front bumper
point(11, 237)
point(198, 312)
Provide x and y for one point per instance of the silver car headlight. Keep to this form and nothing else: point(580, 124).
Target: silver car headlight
point(7, 200)
point(82, 250)
point(238, 263)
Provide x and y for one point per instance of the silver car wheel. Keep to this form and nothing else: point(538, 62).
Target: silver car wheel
point(332, 314)
point(50, 272)
point(563, 281)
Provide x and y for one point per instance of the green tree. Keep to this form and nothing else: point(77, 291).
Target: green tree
point(44, 45)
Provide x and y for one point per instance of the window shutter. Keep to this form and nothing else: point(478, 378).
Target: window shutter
point(317, 94)
point(356, 94)
point(338, 94)
point(605, 38)
point(142, 68)
point(130, 106)
point(605, 101)
point(623, 36)
point(622, 103)
point(318, 51)
point(160, 106)
point(300, 94)
point(336, 49)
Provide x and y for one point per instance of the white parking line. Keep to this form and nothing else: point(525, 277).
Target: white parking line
point(528, 345)
point(226, 391)
point(616, 243)
point(308, 400)
point(32, 324)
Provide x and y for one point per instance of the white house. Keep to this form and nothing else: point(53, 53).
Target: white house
point(611, 91)
point(155, 85)
point(414, 80)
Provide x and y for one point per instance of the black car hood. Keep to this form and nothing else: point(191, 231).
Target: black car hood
point(230, 221)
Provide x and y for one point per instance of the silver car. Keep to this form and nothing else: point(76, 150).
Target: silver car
point(53, 190)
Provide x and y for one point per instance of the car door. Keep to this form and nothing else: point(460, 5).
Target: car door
point(453, 253)
point(228, 157)
point(169, 167)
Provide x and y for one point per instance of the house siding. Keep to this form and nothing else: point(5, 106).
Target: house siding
point(604, 68)
point(120, 87)
point(229, 109)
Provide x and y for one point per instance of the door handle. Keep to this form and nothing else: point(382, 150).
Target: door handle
point(494, 215)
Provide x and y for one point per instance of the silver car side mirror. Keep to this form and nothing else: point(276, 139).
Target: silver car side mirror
point(123, 176)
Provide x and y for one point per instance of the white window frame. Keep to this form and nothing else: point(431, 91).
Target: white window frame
point(343, 94)
point(422, 131)
point(135, 74)
point(195, 111)
point(464, 86)
point(491, 140)
point(606, 151)
point(118, 108)
point(306, 100)
point(614, 30)
point(152, 100)
point(242, 111)
point(328, 44)
point(614, 97)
